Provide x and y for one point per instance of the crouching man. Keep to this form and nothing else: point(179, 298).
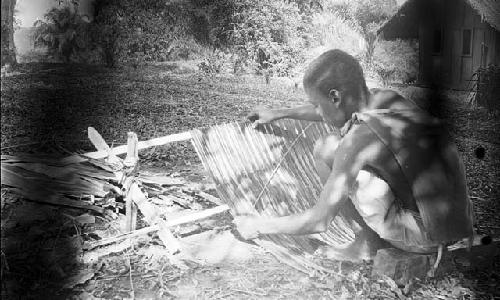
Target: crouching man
point(394, 172)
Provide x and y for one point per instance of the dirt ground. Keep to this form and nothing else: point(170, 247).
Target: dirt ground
point(46, 109)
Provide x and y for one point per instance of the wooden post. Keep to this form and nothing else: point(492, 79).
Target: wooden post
point(130, 162)
point(132, 150)
point(130, 214)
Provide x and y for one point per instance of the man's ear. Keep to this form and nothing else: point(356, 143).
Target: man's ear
point(334, 96)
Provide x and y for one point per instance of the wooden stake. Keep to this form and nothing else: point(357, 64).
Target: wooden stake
point(133, 191)
point(132, 151)
point(168, 239)
point(130, 214)
point(148, 209)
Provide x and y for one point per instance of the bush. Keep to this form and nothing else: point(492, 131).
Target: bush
point(63, 32)
point(216, 62)
point(146, 31)
point(396, 61)
point(249, 36)
point(332, 31)
point(487, 88)
point(123, 32)
point(267, 36)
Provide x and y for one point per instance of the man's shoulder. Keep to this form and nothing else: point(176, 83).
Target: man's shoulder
point(375, 91)
point(385, 93)
point(388, 99)
point(359, 148)
point(358, 139)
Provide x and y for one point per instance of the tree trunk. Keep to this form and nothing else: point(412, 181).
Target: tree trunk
point(8, 48)
point(370, 38)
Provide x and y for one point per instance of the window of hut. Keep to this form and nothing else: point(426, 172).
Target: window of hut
point(466, 42)
point(437, 44)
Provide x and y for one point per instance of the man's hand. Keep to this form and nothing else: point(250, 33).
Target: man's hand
point(247, 226)
point(262, 116)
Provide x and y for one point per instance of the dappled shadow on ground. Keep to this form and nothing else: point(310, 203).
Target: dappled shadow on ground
point(40, 251)
point(47, 107)
point(482, 270)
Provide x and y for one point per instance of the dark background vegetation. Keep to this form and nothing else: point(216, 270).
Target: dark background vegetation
point(273, 38)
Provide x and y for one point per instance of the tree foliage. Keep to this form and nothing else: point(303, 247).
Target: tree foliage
point(145, 30)
point(121, 32)
point(257, 36)
point(276, 36)
point(63, 31)
point(333, 31)
point(269, 33)
point(367, 16)
point(267, 37)
point(396, 61)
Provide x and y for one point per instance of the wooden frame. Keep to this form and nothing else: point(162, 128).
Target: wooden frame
point(178, 137)
point(135, 199)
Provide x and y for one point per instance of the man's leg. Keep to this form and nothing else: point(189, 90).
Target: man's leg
point(367, 242)
point(376, 203)
point(371, 208)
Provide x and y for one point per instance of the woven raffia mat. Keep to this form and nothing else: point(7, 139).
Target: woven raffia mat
point(270, 171)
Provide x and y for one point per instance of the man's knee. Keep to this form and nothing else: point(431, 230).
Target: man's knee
point(324, 149)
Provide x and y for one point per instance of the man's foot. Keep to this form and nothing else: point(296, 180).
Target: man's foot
point(364, 247)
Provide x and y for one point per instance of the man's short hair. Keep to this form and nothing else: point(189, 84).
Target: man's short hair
point(335, 69)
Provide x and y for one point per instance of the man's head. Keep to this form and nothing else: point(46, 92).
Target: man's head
point(335, 84)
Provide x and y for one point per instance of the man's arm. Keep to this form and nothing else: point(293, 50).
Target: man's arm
point(348, 161)
point(314, 220)
point(305, 112)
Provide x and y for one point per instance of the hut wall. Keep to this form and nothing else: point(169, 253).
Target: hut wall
point(451, 66)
